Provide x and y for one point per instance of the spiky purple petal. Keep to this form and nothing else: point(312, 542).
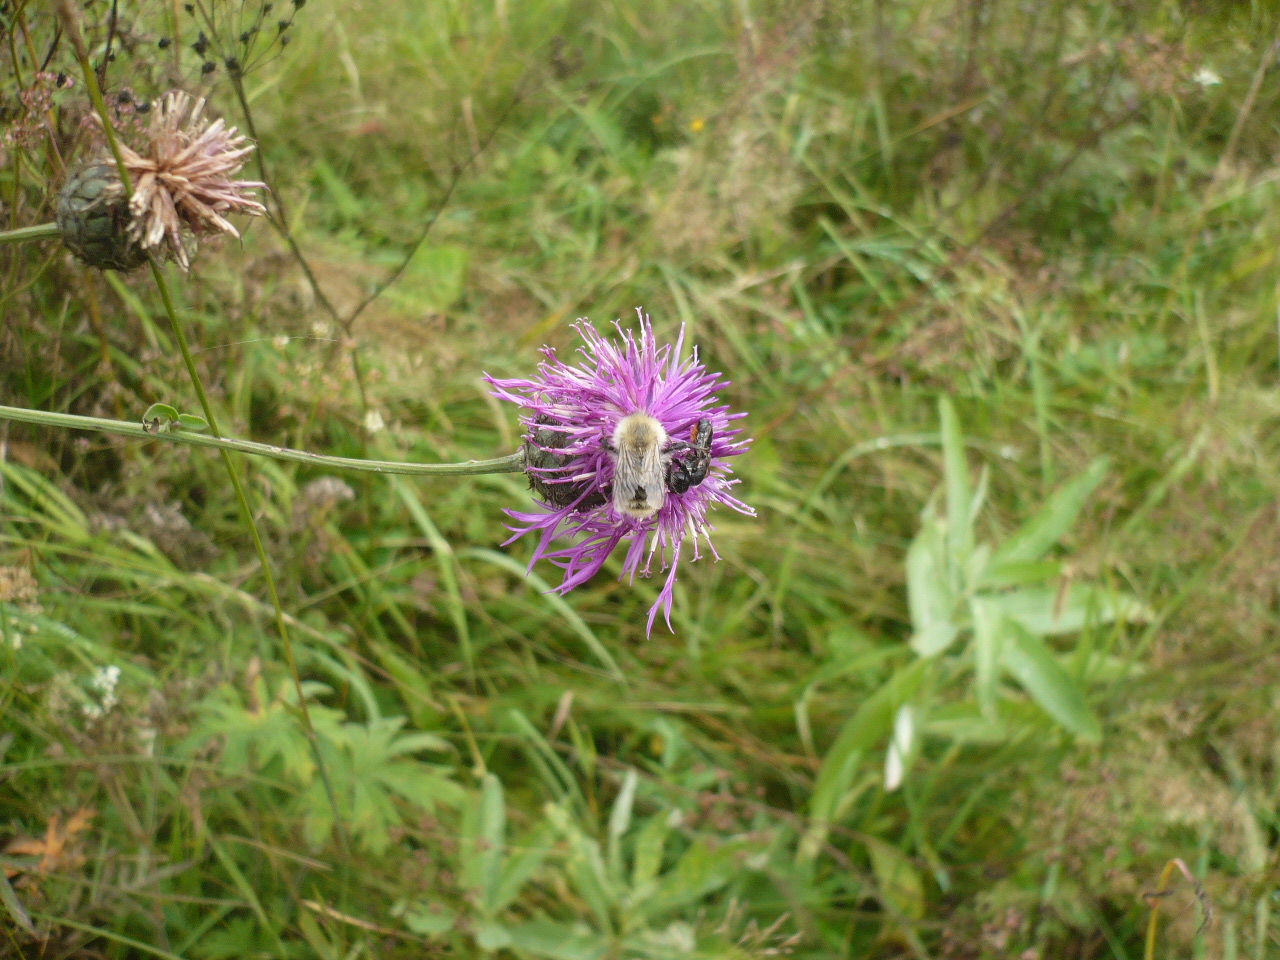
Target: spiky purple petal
point(585, 402)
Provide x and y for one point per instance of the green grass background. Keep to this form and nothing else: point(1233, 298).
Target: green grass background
point(1062, 216)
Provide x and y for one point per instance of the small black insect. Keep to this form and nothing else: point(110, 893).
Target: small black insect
point(691, 470)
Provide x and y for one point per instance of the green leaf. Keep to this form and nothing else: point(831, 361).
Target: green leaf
point(492, 936)
point(525, 859)
point(650, 845)
point(1038, 672)
point(558, 941)
point(928, 594)
point(554, 601)
point(429, 919)
point(956, 476)
point(700, 871)
point(189, 421)
point(1017, 574)
point(897, 877)
point(161, 411)
point(1032, 540)
point(159, 418)
point(483, 838)
point(586, 868)
point(619, 822)
point(441, 271)
point(988, 640)
point(872, 721)
point(1053, 612)
point(14, 906)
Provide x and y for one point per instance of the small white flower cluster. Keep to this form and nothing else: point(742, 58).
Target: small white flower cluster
point(373, 421)
point(103, 682)
point(1207, 77)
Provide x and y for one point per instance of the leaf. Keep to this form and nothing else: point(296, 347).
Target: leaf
point(897, 877)
point(620, 822)
point(14, 906)
point(442, 271)
point(526, 857)
point(483, 839)
point(554, 601)
point(1038, 672)
point(189, 421)
point(647, 859)
point(956, 478)
point(1017, 574)
point(928, 594)
point(1052, 612)
point(492, 936)
point(1032, 540)
point(160, 411)
point(988, 641)
point(585, 867)
point(446, 563)
point(700, 871)
point(429, 919)
point(863, 730)
point(58, 848)
point(159, 417)
point(558, 941)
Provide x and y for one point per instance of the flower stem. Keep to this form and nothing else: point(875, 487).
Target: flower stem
point(70, 18)
point(41, 231)
point(247, 513)
point(513, 463)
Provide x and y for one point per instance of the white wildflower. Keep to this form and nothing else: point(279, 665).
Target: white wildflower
point(373, 421)
point(1206, 77)
point(104, 682)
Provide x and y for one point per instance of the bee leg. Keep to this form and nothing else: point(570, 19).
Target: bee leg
point(678, 479)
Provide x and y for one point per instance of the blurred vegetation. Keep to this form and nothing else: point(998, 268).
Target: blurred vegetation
point(997, 285)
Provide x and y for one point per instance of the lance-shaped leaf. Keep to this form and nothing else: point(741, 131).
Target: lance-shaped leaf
point(1038, 672)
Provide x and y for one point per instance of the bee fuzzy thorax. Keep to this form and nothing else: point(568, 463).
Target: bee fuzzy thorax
point(638, 431)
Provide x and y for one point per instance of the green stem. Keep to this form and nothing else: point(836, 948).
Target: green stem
point(246, 513)
point(41, 231)
point(513, 463)
point(69, 15)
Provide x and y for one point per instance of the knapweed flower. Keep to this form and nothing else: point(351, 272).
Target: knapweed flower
point(182, 191)
point(573, 448)
point(183, 177)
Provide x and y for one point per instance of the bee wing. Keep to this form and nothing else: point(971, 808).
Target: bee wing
point(638, 482)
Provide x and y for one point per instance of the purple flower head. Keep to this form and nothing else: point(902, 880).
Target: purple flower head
point(571, 415)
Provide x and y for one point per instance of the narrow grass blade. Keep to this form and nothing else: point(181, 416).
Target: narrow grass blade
point(446, 563)
point(14, 906)
point(956, 476)
point(555, 601)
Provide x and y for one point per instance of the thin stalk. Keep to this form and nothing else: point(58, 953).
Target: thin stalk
point(70, 18)
point(41, 231)
point(514, 463)
point(247, 513)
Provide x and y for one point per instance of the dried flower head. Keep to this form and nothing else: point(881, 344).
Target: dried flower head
point(572, 416)
point(182, 182)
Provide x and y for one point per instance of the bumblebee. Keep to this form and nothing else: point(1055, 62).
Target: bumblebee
point(648, 463)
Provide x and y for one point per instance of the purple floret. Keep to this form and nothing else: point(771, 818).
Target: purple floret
point(578, 528)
